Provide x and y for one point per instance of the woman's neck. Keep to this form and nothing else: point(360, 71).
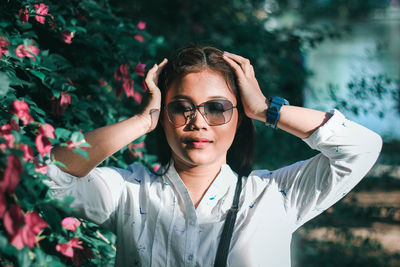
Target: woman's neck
point(198, 178)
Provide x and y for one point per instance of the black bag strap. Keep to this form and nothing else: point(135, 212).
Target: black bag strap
point(225, 241)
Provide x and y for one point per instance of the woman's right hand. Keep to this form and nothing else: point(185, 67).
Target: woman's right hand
point(152, 110)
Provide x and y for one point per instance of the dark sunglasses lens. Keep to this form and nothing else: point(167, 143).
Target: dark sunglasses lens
point(218, 112)
point(179, 112)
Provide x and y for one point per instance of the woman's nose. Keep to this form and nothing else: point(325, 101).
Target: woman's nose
point(198, 120)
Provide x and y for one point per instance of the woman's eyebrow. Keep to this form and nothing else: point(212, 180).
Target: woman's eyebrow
point(209, 97)
point(182, 96)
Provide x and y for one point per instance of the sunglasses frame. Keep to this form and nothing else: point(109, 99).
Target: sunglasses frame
point(200, 108)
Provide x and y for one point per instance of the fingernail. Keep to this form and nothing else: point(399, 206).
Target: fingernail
point(154, 113)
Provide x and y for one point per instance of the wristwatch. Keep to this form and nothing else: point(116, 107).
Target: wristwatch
point(274, 106)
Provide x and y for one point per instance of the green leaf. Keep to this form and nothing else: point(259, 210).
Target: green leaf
point(51, 216)
point(56, 93)
point(38, 74)
point(36, 109)
point(81, 152)
point(77, 136)
point(4, 84)
point(23, 257)
point(6, 248)
point(62, 133)
point(60, 164)
point(68, 199)
point(85, 145)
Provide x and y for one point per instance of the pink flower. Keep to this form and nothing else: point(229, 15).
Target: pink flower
point(141, 145)
point(140, 69)
point(28, 152)
point(102, 82)
point(3, 46)
point(72, 145)
point(26, 236)
point(127, 86)
point(4, 42)
point(156, 167)
point(14, 125)
point(5, 132)
point(3, 204)
point(70, 223)
point(122, 71)
point(134, 149)
point(21, 109)
point(127, 82)
point(23, 15)
point(138, 97)
point(43, 144)
point(27, 51)
point(11, 174)
point(141, 25)
point(41, 9)
point(40, 168)
point(34, 222)
point(67, 248)
point(69, 81)
point(13, 219)
point(47, 130)
point(59, 105)
point(67, 36)
point(139, 38)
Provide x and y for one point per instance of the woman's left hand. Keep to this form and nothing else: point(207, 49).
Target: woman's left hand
point(253, 99)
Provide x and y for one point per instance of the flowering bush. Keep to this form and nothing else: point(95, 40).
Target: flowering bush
point(65, 69)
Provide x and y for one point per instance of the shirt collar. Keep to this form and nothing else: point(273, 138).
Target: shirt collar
point(225, 178)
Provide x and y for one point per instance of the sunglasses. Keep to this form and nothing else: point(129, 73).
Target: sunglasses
point(215, 112)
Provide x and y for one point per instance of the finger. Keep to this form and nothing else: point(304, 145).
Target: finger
point(159, 69)
point(239, 59)
point(150, 78)
point(243, 62)
point(235, 66)
point(152, 75)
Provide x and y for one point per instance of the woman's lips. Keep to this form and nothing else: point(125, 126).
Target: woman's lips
point(198, 143)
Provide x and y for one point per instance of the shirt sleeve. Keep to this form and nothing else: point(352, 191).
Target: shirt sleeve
point(348, 152)
point(96, 196)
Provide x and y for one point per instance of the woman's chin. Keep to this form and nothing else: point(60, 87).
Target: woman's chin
point(198, 158)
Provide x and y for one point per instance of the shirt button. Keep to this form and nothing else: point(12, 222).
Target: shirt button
point(192, 223)
point(190, 258)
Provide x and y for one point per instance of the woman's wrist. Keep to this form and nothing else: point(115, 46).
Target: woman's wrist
point(260, 111)
point(148, 119)
point(144, 120)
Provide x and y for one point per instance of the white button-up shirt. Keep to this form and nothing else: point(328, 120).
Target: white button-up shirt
point(157, 224)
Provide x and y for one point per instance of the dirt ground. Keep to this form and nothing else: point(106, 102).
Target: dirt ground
point(386, 228)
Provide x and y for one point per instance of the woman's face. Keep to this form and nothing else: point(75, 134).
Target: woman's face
point(198, 143)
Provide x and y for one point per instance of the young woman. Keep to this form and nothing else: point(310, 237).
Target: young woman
point(203, 116)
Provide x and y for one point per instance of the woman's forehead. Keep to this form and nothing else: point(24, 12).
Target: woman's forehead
point(201, 86)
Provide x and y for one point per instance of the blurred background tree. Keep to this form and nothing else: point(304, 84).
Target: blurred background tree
point(86, 47)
